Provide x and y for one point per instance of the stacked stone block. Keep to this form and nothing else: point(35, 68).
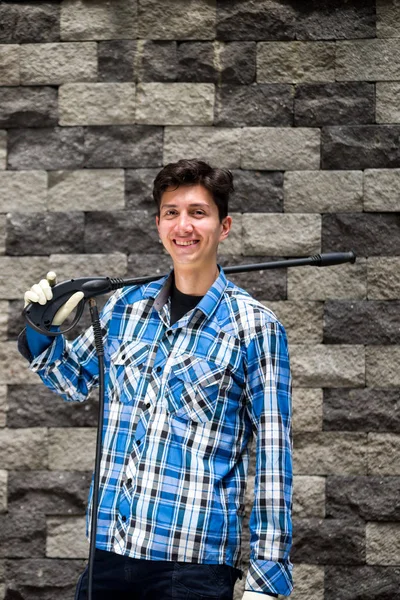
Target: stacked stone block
point(300, 100)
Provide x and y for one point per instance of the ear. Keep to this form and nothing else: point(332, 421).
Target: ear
point(158, 224)
point(225, 228)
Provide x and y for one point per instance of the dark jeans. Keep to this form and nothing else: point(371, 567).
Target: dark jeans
point(118, 577)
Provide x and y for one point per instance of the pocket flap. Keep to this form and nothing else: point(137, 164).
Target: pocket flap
point(198, 371)
point(131, 353)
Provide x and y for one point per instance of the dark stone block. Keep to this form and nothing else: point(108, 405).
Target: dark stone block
point(262, 285)
point(38, 406)
point(367, 234)
point(44, 233)
point(266, 104)
point(47, 148)
point(196, 62)
point(22, 22)
point(362, 409)
point(364, 322)
point(370, 498)
point(238, 63)
point(261, 20)
point(124, 146)
point(360, 147)
point(121, 231)
point(159, 61)
point(334, 103)
point(140, 265)
point(335, 19)
point(116, 60)
point(22, 534)
point(366, 583)
point(49, 492)
point(257, 191)
point(324, 541)
point(139, 189)
point(28, 107)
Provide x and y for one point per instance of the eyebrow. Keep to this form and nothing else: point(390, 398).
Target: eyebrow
point(203, 205)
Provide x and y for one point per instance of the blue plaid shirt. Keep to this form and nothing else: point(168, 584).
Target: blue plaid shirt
point(182, 404)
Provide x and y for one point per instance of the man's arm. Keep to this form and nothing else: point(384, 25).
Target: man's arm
point(269, 405)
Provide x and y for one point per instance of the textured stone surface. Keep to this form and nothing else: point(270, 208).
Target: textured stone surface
point(58, 63)
point(175, 104)
point(382, 366)
point(3, 335)
point(88, 189)
point(3, 149)
point(365, 234)
point(121, 231)
point(257, 191)
point(13, 367)
point(252, 105)
point(3, 403)
point(45, 148)
point(388, 18)
point(97, 103)
point(217, 145)
point(17, 274)
point(309, 581)
point(22, 535)
point(9, 64)
point(365, 322)
point(161, 21)
point(68, 266)
point(323, 191)
point(327, 453)
point(140, 265)
point(325, 366)
point(38, 406)
point(3, 490)
point(2, 234)
point(250, 20)
point(139, 189)
point(307, 409)
point(335, 19)
point(24, 448)
point(383, 278)
point(302, 320)
point(387, 102)
point(158, 60)
point(44, 233)
point(308, 496)
point(28, 107)
point(368, 580)
point(66, 537)
point(282, 234)
point(294, 62)
point(368, 60)
point(72, 449)
point(98, 20)
point(363, 409)
point(280, 148)
point(262, 285)
point(346, 103)
point(237, 62)
point(234, 243)
point(196, 62)
point(29, 22)
point(383, 543)
point(116, 60)
point(121, 146)
point(371, 498)
point(381, 190)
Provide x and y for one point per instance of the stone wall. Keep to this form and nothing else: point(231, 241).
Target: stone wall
point(301, 100)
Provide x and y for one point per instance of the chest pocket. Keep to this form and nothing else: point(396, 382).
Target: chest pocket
point(126, 371)
point(193, 387)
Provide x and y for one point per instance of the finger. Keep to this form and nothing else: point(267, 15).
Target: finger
point(44, 284)
point(67, 308)
point(38, 290)
point(29, 297)
point(51, 278)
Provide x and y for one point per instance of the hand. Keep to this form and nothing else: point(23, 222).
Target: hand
point(41, 292)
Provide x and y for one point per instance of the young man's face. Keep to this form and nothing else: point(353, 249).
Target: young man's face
point(189, 226)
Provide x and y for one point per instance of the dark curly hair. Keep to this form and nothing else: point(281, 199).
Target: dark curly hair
point(219, 182)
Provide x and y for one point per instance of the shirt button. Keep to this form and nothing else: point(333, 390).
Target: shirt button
point(138, 442)
point(128, 481)
point(159, 369)
point(123, 518)
point(123, 357)
point(148, 405)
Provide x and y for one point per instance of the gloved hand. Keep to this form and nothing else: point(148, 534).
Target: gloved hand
point(41, 292)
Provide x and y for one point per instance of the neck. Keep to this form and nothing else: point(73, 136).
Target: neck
point(194, 282)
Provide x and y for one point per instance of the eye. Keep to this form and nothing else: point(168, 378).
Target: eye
point(199, 212)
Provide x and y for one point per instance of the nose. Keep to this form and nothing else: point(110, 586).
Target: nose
point(184, 223)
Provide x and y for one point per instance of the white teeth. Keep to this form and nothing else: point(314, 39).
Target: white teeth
point(186, 243)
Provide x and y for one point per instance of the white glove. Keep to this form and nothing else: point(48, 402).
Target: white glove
point(41, 292)
point(256, 596)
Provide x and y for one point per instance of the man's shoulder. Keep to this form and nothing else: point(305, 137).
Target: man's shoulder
point(245, 303)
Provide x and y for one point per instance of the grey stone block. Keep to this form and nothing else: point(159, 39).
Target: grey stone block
point(9, 65)
point(384, 278)
point(368, 60)
point(370, 498)
point(196, 62)
point(237, 62)
point(262, 285)
point(37, 406)
point(49, 493)
point(249, 20)
point(293, 62)
point(330, 453)
point(382, 543)
point(28, 107)
point(383, 454)
point(22, 535)
point(17, 274)
point(97, 103)
point(139, 189)
point(323, 541)
point(98, 20)
point(257, 191)
point(308, 496)
point(381, 190)
point(363, 409)
point(44, 233)
point(47, 148)
point(14, 369)
point(121, 146)
point(117, 60)
point(252, 105)
point(219, 146)
point(382, 367)
point(348, 103)
point(53, 64)
point(3, 149)
point(234, 243)
point(66, 537)
point(72, 449)
point(320, 365)
point(340, 281)
point(388, 19)
point(302, 320)
point(68, 266)
point(307, 409)
point(121, 231)
point(161, 21)
point(23, 449)
point(86, 189)
point(335, 19)
point(3, 404)
point(29, 22)
point(387, 102)
point(367, 234)
point(140, 265)
point(370, 580)
point(360, 147)
point(158, 61)
point(3, 490)
point(365, 322)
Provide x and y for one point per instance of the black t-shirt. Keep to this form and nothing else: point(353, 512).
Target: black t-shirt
point(181, 303)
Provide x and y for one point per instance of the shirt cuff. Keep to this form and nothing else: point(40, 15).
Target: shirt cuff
point(270, 577)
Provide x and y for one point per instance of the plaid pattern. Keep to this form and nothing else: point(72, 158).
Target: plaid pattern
point(182, 403)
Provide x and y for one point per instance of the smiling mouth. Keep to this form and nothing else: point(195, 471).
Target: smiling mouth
point(187, 243)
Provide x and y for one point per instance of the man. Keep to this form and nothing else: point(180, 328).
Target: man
point(194, 368)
